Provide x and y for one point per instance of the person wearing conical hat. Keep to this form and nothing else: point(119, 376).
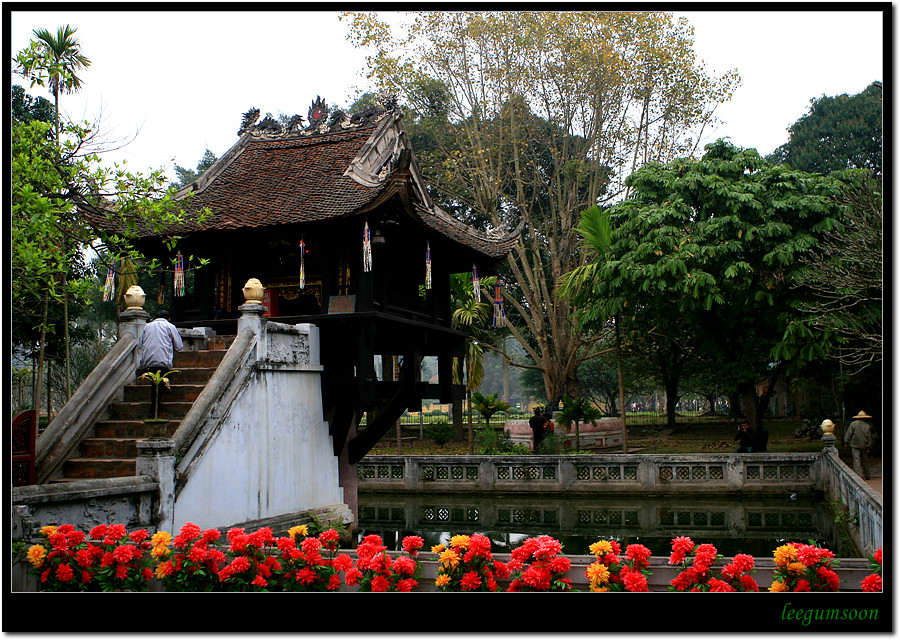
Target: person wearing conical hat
point(859, 439)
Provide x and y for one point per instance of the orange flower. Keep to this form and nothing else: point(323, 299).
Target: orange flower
point(778, 586)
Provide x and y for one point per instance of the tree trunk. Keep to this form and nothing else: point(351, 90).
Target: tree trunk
point(671, 400)
point(471, 436)
point(456, 411)
point(40, 365)
point(621, 390)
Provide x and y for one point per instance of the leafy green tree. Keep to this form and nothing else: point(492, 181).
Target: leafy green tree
point(189, 176)
point(55, 60)
point(534, 116)
point(26, 108)
point(716, 244)
point(839, 133)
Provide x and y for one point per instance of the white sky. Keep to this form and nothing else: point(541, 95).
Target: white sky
point(182, 80)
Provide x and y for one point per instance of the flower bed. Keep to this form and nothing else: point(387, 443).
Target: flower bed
point(108, 558)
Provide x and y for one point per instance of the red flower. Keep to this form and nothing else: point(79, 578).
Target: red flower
point(352, 576)
point(342, 562)
point(470, 581)
point(330, 539)
point(748, 583)
point(877, 556)
point(334, 582)
point(138, 536)
point(406, 585)
point(719, 586)
point(501, 569)
point(380, 584)
point(871, 583)
point(404, 565)
point(638, 553)
point(635, 581)
point(64, 572)
point(98, 532)
point(411, 544)
point(560, 564)
point(830, 577)
point(802, 585)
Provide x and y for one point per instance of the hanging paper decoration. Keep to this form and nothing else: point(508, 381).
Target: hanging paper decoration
point(499, 313)
point(179, 275)
point(476, 284)
point(302, 264)
point(109, 287)
point(367, 249)
point(428, 265)
point(162, 287)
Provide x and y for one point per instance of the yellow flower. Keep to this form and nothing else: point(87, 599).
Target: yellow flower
point(796, 567)
point(449, 558)
point(785, 554)
point(48, 530)
point(161, 539)
point(163, 569)
point(36, 555)
point(598, 573)
point(601, 548)
point(300, 529)
point(778, 586)
point(159, 551)
point(437, 548)
point(460, 542)
point(597, 589)
point(442, 580)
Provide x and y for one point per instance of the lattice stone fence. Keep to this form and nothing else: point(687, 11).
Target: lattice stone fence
point(724, 474)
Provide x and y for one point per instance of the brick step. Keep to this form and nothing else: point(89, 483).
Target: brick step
point(205, 358)
point(186, 375)
point(140, 392)
point(135, 429)
point(141, 410)
point(109, 447)
point(80, 468)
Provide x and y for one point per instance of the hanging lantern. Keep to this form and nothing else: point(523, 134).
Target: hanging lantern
point(179, 275)
point(367, 249)
point(302, 264)
point(476, 284)
point(427, 265)
point(109, 287)
point(162, 287)
point(499, 312)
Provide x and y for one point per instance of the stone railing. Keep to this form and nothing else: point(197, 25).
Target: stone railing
point(592, 474)
point(863, 505)
point(69, 426)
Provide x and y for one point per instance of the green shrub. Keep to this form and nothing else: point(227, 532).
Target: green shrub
point(440, 433)
point(492, 442)
point(552, 444)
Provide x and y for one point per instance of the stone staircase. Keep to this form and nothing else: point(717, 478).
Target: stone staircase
point(110, 450)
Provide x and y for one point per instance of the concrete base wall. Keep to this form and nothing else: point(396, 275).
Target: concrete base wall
point(271, 453)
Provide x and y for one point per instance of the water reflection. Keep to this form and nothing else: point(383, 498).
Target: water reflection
point(748, 525)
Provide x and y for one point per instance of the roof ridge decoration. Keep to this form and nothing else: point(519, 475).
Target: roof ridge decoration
point(320, 120)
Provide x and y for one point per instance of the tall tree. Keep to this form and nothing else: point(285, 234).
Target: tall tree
point(845, 274)
point(717, 243)
point(535, 116)
point(56, 61)
point(838, 133)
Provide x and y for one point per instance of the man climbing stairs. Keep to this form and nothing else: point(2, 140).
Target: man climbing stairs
point(110, 449)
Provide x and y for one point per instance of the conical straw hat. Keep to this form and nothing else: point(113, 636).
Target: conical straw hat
point(863, 415)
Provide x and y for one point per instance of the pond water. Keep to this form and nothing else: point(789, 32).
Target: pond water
point(733, 524)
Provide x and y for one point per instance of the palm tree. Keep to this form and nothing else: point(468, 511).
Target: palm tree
point(55, 59)
point(470, 316)
point(575, 411)
point(487, 406)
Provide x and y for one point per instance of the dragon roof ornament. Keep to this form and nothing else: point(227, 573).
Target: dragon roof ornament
point(321, 120)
